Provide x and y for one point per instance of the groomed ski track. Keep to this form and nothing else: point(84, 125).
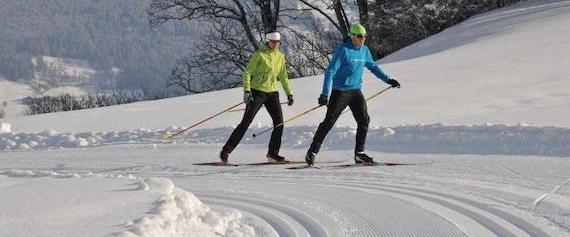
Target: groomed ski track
point(460, 198)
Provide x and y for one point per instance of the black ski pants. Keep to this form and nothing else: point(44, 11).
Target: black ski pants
point(273, 106)
point(337, 103)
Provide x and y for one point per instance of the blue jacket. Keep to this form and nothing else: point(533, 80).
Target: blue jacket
point(345, 70)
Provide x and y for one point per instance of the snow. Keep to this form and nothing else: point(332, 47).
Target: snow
point(63, 75)
point(180, 213)
point(68, 67)
point(10, 95)
point(428, 138)
point(55, 204)
point(481, 118)
point(176, 212)
point(62, 90)
point(5, 128)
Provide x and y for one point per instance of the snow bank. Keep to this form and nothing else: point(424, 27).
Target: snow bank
point(5, 128)
point(15, 173)
point(51, 139)
point(180, 213)
point(175, 213)
point(479, 139)
point(37, 174)
point(435, 138)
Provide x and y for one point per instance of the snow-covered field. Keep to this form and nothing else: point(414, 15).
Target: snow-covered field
point(482, 118)
point(11, 94)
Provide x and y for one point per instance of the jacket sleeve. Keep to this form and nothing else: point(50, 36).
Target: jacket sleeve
point(374, 67)
point(332, 70)
point(249, 69)
point(283, 77)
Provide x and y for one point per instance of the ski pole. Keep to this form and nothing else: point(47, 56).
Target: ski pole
point(288, 120)
point(371, 97)
point(168, 136)
point(237, 110)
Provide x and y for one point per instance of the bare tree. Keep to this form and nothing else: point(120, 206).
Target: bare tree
point(363, 11)
point(341, 17)
point(269, 14)
point(233, 33)
point(312, 49)
point(342, 23)
point(236, 30)
point(322, 12)
point(217, 63)
point(181, 76)
point(161, 11)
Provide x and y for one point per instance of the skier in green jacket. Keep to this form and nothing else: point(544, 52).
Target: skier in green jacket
point(260, 77)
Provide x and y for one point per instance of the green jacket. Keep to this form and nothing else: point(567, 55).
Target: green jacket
point(265, 68)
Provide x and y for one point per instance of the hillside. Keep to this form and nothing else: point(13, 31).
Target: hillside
point(106, 35)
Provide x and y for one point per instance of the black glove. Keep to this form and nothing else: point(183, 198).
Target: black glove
point(393, 83)
point(290, 100)
point(247, 98)
point(323, 100)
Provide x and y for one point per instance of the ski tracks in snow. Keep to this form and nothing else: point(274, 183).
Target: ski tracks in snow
point(332, 203)
point(458, 216)
point(284, 220)
point(451, 197)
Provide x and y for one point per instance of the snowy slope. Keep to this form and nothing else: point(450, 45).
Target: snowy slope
point(475, 72)
point(11, 93)
point(482, 117)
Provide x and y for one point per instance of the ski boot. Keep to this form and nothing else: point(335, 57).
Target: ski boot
point(224, 156)
point(276, 159)
point(310, 158)
point(363, 158)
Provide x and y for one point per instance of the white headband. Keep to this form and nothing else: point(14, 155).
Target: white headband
point(275, 36)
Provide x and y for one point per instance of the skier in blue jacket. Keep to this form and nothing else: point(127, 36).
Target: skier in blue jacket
point(343, 81)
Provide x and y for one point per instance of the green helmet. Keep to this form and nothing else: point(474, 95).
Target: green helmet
point(356, 29)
